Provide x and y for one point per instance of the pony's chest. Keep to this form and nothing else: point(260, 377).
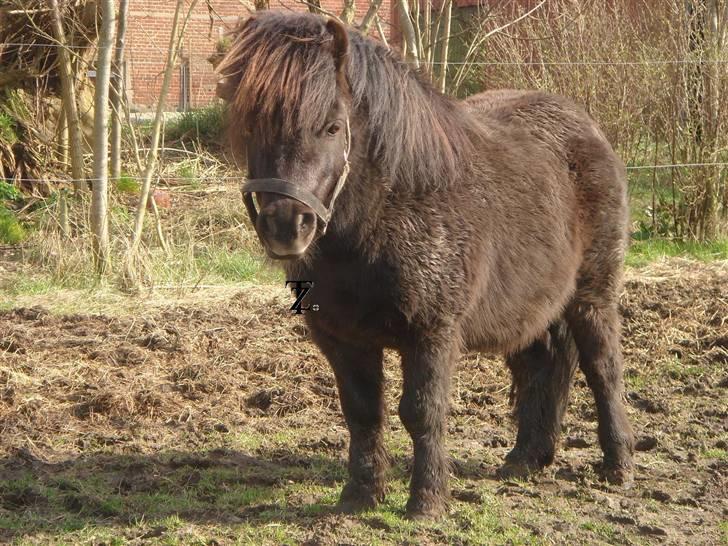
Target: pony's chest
point(356, 301)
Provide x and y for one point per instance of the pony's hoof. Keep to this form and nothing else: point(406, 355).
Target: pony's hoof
point(517, 470)
point(618, 475)
point(358, 498)
point(425, 508)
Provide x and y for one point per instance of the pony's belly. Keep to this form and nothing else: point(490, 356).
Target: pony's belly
point(496, 325)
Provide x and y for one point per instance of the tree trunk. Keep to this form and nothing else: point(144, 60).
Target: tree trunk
point(444, 44)
point(70, 106)
point(118, 82)
point(408, 33)
point(100, 193)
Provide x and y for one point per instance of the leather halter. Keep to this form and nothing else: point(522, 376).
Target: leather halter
point(294, 191)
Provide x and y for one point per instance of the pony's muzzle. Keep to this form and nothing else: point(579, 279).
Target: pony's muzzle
point(285, 226)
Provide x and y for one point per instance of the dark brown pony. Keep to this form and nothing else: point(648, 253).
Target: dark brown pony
point(495, 224)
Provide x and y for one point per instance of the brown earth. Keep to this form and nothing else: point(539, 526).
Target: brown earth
point(135, 398)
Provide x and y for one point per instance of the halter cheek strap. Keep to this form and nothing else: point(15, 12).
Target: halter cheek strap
point(294, 191)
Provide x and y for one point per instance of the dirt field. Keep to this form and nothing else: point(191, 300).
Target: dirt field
point(215, 421)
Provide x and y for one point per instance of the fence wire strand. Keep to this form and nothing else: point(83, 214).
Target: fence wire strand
point(239, 178)
point(596, 62)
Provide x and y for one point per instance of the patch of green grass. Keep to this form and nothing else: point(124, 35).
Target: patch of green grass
point(187, 173)
point(160, 504)
point(678, 370)
point(8, 192)
point(203, 126)
point(84, 503)
point(716, 453)
point(242, 497)
point(237, 266)
point(644, 252)
point(8, 129)
point(11, 231)
point(127, 184)
point(601, 529)
point(723, 527)
point(15, 104)
point(635, 381)
point(36, 285)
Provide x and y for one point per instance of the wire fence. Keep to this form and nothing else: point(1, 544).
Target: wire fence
point(239, 178)
point(194, 59)
point(595, 62)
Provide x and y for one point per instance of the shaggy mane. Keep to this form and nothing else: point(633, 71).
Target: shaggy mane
point(281, 72)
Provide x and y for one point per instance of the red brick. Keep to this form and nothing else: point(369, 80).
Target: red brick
point(149, 26)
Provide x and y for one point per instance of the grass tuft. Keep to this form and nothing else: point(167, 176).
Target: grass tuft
point(8, 133)
point(127, 184)
point(8, 192)
point(647, 251)
point(203, 126)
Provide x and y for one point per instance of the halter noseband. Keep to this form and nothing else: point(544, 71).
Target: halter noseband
point(294, 191)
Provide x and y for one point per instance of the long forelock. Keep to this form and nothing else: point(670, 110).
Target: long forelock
point(284, 77)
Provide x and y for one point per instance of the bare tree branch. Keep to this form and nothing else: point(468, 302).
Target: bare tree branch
point(380, 30)
point(445, 46)
point(348, 12)
point(368, 19)
point(175, 41)
point(408, 33)
point(70, 106)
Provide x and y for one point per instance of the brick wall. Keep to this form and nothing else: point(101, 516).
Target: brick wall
point(148, 31)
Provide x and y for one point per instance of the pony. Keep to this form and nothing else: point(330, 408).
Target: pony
point(432, 226)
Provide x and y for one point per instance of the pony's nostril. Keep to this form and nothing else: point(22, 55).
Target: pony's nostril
point(305, 222)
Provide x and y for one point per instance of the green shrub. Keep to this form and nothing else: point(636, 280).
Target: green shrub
point(7, 129)
point(11, 232)
point(127, 184)
point(203, 126)
point(8, 192)
point(187, 173)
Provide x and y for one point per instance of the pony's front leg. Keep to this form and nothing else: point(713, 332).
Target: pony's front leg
point(360, 380)
point(423, 409)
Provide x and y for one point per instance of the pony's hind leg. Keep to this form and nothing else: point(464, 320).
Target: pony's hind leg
point(542, 374)
point(596, 333)
point(360, 381)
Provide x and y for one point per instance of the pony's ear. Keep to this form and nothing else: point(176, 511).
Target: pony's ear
point(340, 47)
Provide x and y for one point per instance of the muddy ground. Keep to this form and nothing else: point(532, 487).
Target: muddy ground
point(217, 422)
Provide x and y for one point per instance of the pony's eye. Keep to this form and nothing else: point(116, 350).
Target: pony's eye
point(334, 128)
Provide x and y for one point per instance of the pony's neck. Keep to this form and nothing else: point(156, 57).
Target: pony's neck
point(417, 136)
